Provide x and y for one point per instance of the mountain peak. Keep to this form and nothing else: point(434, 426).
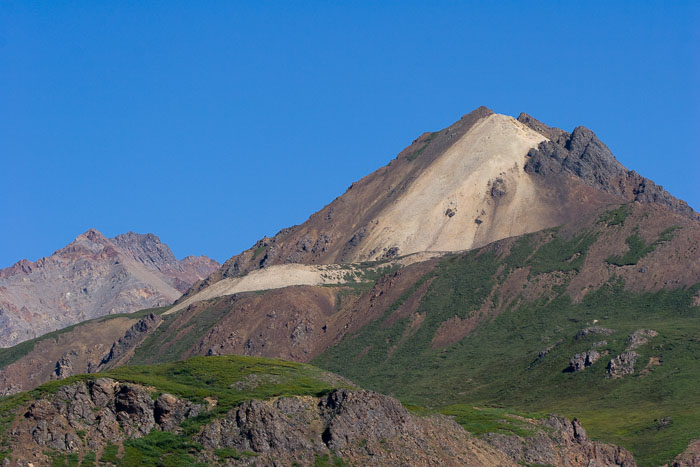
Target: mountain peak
point(133, 237)
point(481, 111)
point(583, 155)
point(92, 235)
point(485, 177)
point(554, 134)
point(91, 277)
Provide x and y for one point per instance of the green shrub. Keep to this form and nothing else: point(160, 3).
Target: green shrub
point(615, 216)
point(638, 249)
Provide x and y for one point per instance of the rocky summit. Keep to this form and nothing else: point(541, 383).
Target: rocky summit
point(501, 293)
point(92, 277)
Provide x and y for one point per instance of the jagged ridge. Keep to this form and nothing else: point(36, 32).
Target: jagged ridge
point(91, 277)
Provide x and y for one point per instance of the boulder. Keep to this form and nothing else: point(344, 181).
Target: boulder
point(640, 337)
point(622, 365)
point(593, 330)
point(581, 361)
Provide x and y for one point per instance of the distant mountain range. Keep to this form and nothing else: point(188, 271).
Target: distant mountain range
point(495, 271)
point(92, 277)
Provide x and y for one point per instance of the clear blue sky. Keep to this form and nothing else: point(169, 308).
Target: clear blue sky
point(212, 124)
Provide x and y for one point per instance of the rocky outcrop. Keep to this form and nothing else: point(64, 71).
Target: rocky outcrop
point(169, 412)
point(359, 427)
point(64, 366)
point(583, 155)
point(640, 337)
point(581, 361)
point(86, 416)
point(690, 457)
point(563, 442)
point(593, 331)
point(622, 365)
point(363, 427)
point(92, 277)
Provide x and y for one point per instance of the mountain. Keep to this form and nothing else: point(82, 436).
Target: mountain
point(497, 266)
point(263, 412)
point(486, 177)
point(91, 277)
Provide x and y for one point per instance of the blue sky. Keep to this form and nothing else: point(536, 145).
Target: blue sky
point(212, 124)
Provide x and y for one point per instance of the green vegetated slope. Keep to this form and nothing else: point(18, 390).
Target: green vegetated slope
point(194, 379)
point(200, 377)
point(655, 412)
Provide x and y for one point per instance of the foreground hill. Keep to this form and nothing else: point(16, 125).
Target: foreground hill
point(251, 411)
point(93, 276)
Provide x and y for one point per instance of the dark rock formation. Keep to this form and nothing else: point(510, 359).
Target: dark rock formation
point(593, 330)
point(100, 412)
point(584, 156)
point(498, 188)
point(360, 427)
point(64, 366)
point(623, 364)
point(581, 361)
point(564, 443)
point(392, 252)
point(169, 411)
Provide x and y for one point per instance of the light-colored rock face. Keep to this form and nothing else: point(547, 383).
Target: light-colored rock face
point(273, 277)
point(475, 193)
point(288, 275)
point(453, 190)
point(93, 276)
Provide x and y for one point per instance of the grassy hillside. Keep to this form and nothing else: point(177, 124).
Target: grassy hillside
point(655, 412)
